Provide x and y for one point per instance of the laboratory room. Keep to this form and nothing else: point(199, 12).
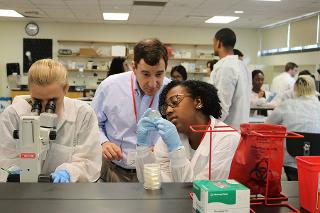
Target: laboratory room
point(160, 106)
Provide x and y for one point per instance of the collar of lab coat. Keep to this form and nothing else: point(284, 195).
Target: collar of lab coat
point(222, 60)
point(203, 147)
point(136, 88)
point(69, 113)
point(21, 104)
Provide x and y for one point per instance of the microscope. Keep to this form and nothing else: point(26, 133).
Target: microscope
point(35, 133)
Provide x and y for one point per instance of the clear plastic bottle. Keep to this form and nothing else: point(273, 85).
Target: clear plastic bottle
point(152, 176)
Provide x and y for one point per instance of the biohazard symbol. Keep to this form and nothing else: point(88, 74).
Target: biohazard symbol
point(259, 173)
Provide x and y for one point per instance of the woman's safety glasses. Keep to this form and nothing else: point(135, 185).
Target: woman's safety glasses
point(173, 102)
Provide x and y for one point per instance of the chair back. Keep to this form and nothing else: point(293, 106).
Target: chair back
point(307, 146)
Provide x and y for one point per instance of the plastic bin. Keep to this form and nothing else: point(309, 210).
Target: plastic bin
point(308, 175)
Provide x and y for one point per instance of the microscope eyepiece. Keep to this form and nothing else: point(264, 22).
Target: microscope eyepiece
point(50, 107)
point(36, 106)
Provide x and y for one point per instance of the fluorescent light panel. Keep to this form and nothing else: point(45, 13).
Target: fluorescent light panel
point(10, 13)
point(238, 11)
point(116, 16)
point(221, 19)
point(268, 0)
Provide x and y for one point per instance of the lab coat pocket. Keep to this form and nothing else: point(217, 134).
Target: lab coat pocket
point(57, 155)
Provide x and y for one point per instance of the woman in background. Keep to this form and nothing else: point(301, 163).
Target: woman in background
point(183, 155)
point(300, 114)
point(260, 97)
point(179, 73)
point(118, 65)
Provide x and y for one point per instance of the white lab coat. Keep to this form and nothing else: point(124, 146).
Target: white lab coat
point(282, 83)
point(299, 114)
point(76, 148)
point(260, 102)
point(186, 164)
point(233, 81)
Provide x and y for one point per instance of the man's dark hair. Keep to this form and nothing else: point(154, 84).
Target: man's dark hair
point(256, 72)
point(227, 37)
point(181, 70)
point(197, 89)
point(151, 51)
point(290, 66)
point(116, 66)
point(237, 52)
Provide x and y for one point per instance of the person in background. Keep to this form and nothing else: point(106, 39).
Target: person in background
point(232, 79)
point(75, 155)
point(289, 94)
point(260, 97)
point(118, 65)
point(300, 114)
point(210, 65)
point(238, 53)
point(179, 73)
point(119, 103)
point(284, 81)
point(183, 154)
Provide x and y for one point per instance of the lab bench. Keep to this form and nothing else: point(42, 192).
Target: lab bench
point(107, 197)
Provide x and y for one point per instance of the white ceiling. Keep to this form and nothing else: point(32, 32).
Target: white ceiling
point(191, 13)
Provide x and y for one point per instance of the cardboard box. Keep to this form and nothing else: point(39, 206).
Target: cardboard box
point(118, 50)
point(223, 196)
point(90, 52)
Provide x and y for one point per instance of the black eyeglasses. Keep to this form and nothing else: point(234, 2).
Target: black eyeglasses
point(173, 102)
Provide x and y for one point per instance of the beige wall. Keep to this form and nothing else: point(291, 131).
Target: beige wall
point(12, 34)
point(274, 65)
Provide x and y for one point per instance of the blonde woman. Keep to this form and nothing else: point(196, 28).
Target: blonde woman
point(300, 114)
point(75, 155)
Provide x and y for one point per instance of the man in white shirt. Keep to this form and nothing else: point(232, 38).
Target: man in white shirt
point(121, 100)
point(284, 81)
point(232, 79)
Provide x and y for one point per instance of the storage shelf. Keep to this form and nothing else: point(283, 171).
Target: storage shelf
point(125, 42)
point(82, 56)
point(131, 57)
point(87, 70)
point(196, 73)
point(190, 59)
point(95, 42)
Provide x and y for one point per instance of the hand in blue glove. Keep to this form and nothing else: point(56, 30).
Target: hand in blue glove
point(60, 176)
point(145, 125)
point(169, 134)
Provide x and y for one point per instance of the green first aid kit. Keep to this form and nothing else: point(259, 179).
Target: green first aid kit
point(223, 196)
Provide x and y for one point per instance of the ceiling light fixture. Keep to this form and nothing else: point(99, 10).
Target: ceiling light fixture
point(221, 19)
point(10, 13)
point(238, 11)
point(268, 0)
point(116, 16)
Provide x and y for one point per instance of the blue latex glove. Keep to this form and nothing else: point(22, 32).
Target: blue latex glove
point(60, 176)
point(145, 125)
point(169, 134)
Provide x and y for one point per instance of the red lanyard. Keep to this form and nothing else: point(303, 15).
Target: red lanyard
point(134, 100)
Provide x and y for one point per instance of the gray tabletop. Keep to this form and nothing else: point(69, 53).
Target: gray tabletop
point(105, 197)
